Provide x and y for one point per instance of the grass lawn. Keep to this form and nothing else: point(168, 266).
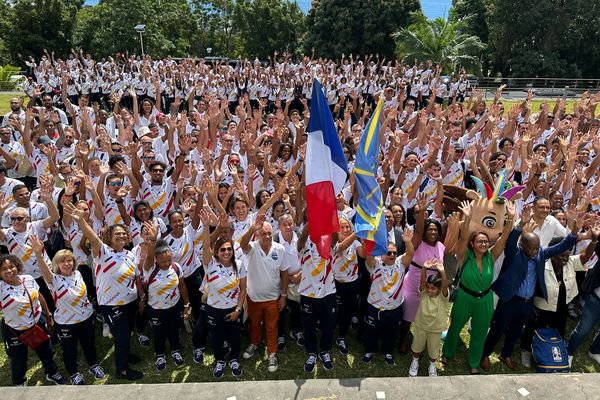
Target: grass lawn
point(291, 362)
point(4, 106)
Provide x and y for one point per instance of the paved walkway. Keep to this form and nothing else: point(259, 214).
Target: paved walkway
point(525, 387)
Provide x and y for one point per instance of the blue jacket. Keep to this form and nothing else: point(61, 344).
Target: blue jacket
point(514, 267)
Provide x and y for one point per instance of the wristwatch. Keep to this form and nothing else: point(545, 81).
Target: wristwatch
point(238, 310)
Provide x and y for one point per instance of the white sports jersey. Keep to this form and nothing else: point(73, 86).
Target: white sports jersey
point(345, 265)
point(386, 285)
point(18, 245)
point(223, 284)
point(115, 277)
point(163, 290)
point(317, 278)
point(71, 299)
point(16, 305)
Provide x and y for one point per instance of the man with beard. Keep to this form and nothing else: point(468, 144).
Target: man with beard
point(16, 110)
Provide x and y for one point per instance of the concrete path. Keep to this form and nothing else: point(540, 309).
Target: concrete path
point(525, 387)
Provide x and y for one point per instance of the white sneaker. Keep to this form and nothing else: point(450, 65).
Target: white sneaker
point(595, 357)
point(570, 362)
point(414, 368)
point(526, 358)
point(432, 369)
point(273, 362)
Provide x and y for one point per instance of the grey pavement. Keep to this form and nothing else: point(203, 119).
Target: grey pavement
point(525, 387)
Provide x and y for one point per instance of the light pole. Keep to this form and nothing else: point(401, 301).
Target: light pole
point(209, 50)
point(141, 28)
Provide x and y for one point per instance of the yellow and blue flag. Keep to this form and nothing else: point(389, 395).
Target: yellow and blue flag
point(369, 223)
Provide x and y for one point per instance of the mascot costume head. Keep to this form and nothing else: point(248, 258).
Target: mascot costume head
point(488, 212)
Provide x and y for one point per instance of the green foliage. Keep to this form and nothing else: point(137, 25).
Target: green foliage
point(7, 71)
point(443, 42)
point(356, 26)
point(170, 27)
point(281, 22)
point(36, 25)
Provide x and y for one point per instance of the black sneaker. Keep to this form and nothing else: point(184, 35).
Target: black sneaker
point(219, 369)
point(130, 375)
point(280, 343)
point(310, 363)
point(341, 345)
point(161, 362)
point(326, 359)
point(177, 357)
point(77, 379)
point(97, 371)
point(144, 340)
point(298, 337)
point(367, 358)
point(199, 355)
point(236, 369)
point(134, 359)
point(56, 378)
point(389, 360)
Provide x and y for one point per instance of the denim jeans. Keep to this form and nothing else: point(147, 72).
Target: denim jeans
point(590, 315)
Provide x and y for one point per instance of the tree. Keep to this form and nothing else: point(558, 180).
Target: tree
point(41, 24)
point(217, 29)
point(282, 22)
point(549, 39)
point(356, 26)
point(441, 41)
point(170, 27)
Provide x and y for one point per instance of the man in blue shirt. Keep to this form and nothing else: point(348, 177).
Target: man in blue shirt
point(521, 276)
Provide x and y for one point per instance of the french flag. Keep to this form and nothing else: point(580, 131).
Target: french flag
point(326, 173)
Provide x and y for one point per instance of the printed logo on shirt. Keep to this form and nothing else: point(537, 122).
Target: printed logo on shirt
point(274, 256)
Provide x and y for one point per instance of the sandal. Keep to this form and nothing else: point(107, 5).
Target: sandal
point(474, 371)
point(444, 361)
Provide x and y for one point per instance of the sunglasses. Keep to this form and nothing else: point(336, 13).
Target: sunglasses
point(117, 150)
point(19, 219)
point(391, 253)
point(148, 158)
point(158, 170)
point(115, 184)
point(225, 249)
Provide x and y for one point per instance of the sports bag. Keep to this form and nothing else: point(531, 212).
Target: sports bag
point(549, 351)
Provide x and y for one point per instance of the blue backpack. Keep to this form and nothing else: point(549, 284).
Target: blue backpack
point(549, 351)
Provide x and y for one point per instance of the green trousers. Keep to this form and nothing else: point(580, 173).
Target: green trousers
point(479, 311)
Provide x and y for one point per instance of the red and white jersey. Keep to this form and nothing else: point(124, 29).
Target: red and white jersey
point(317, 277)
point(386, 285)
point(18, 245)
point(16, 304)
point(345, 265)
point(223, 284)
point(115, 277)
point(183, 249)
point(71, 299)
point(160, 197)
point(163, 290)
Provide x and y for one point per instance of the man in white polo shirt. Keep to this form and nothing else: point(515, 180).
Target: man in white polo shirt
point(267, 286)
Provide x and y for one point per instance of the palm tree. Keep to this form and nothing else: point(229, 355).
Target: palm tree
point(443, 42)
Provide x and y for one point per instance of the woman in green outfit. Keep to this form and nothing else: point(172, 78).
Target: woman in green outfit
point(474, 298)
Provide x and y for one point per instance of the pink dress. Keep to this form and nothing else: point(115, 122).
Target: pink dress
point(410, 290)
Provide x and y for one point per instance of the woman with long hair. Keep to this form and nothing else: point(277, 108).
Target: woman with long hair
point(474, 298)
point(226, 279)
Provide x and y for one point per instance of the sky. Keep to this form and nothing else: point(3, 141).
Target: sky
point(431, 8)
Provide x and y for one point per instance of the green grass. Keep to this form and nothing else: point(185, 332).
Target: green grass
point(535, 106)
point(291, 362)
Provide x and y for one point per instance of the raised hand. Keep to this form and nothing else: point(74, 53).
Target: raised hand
point(152, 229)
point(259, 221)
point(36, 244)
point(407, 235)
point(466, 208)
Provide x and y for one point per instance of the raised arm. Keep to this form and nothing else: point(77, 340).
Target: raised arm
point(38, 248)
point(86, 229)
point(498, 248)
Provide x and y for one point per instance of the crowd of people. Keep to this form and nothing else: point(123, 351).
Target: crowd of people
point(142, 196)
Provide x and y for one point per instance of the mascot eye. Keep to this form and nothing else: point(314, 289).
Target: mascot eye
point(489, 222)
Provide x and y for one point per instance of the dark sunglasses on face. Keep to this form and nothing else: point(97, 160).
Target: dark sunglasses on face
point(19, 219)
point(391, 253)
point(158, 170)
point(225, 249)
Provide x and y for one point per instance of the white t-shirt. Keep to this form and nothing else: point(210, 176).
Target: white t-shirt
point(183, 249)
point(223, 284)
point(160, 197)
point(386, 285)
point(16, 305)
point(264, 282)
point(163, 290)
point(18, 245)
point(115, 277)
point(71, 299)
point(345, 265)
point(317, 277)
